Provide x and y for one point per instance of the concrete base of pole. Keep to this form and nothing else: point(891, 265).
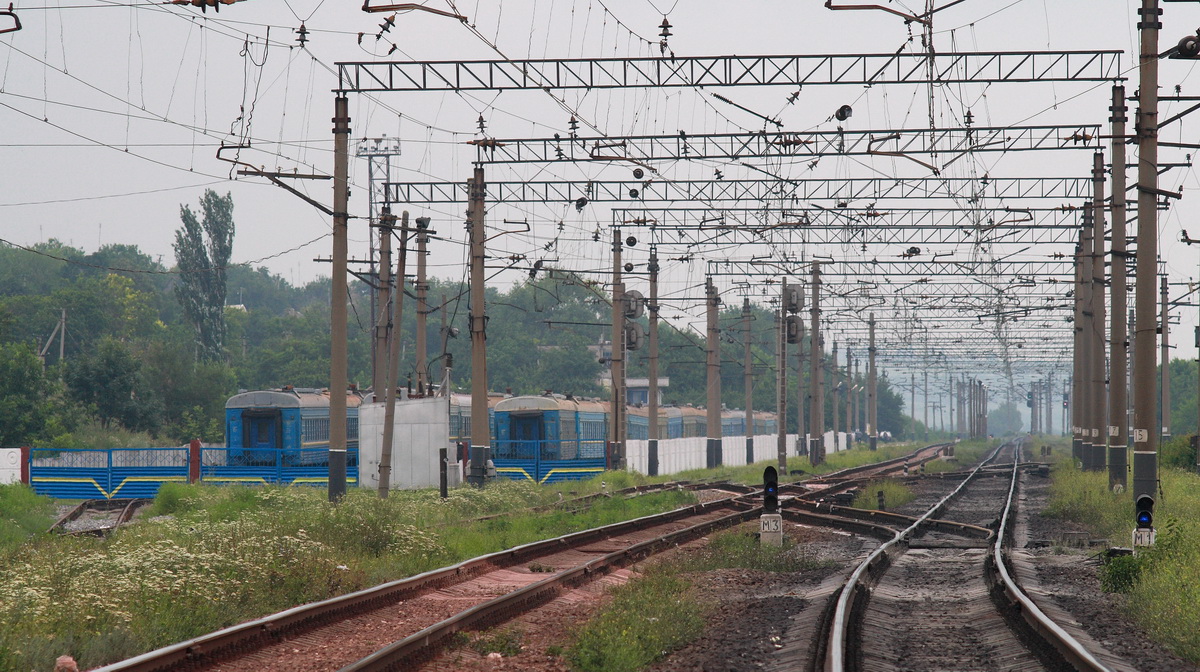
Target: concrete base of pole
point(652, 457)
point(713, 456)
point(873, 442)
point(1099, 457)
point(337, 475)
point(770, 527)
point(1077, 450)
point(1118, 467)
point(443, 473)
point(1145, 474)
point(477, 466)
point(749, 450)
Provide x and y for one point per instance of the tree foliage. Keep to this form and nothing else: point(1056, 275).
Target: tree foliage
point(109, 380)
point(202, 251)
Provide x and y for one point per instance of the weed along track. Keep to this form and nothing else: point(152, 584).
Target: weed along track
point(394, 625)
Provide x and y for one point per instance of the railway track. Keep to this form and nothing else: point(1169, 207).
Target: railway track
point(940, 595)
point(419, 614)
point(399, 624)
point(97, 517)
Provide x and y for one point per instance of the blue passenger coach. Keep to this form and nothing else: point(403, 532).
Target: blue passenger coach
point(549, 438)
point(290, 425)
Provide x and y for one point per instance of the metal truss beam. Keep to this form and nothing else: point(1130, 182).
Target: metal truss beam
point(952, 143)
point(786, 191)
point(868, 226)
point(710, 71)
point(1030, 272)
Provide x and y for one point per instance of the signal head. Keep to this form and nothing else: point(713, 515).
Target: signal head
point(1144, 505)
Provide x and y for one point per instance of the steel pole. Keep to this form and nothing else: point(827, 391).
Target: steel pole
point(1099, 395)
point(713, 368)
point(748, 381)
point(652, 309)
point(1145, 401)
point(480, 427)
point(872, 391)
point(781, 395)
point(816, 453)
point(1118, 396)
point(338, 379)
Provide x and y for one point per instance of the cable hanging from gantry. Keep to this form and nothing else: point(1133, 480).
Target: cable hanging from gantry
point(203, 4)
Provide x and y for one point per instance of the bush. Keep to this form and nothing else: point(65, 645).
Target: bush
point(1120, 574)
point(1178, 453)
point(25, 513)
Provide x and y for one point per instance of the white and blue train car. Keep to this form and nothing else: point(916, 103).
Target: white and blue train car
point(284, 427)
point(549, 438)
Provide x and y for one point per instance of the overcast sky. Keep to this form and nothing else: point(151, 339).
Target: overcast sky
point(112, 112)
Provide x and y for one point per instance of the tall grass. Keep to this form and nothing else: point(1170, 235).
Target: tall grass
point(646, 619)
point(210, 557)
point(660, 611)
point(1163, 583)
point(23, 513)
point(895, 494)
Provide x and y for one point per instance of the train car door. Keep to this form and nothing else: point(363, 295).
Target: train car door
point(262, 430)
point(528, 434)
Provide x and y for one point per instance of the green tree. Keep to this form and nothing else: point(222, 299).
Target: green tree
point(21, 395)
point(1005, 420)
point(109, 380)
point(202, 252)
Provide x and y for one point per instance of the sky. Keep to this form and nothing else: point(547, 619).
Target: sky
point(112, 112)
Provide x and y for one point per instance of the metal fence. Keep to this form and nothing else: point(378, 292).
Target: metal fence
point(140, 472)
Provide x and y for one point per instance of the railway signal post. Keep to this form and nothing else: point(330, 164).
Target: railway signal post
point(771, 523)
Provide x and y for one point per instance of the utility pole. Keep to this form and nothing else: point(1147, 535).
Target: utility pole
point(952, 401)
point(1165, 385)
point(872, 390)
point(802, 400)
point(1077, 366)
point(714, 375)
point(338, 382)
point(1049, 401)
point(816, 453)
point(445, 332)
point(858, 390)
point(424, 386)
point(849, 400)
point(925, 397)
point(781, 396)
point(652, 308)
point(1145, 415)
point(1087, 380)
point(912, 404)
point(834, 385)
point(393, 364)
point(383, 320)
point(1099, 392)
point(617, 357)
point(747, 380)
point(1118, 386)
point(480, 427)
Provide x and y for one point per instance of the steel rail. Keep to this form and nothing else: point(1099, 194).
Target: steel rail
point(1042, 625)
point(419, 644)
point(305, 616)
point(836, 643)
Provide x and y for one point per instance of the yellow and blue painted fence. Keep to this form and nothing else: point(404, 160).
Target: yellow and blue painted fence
point(140, 472)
